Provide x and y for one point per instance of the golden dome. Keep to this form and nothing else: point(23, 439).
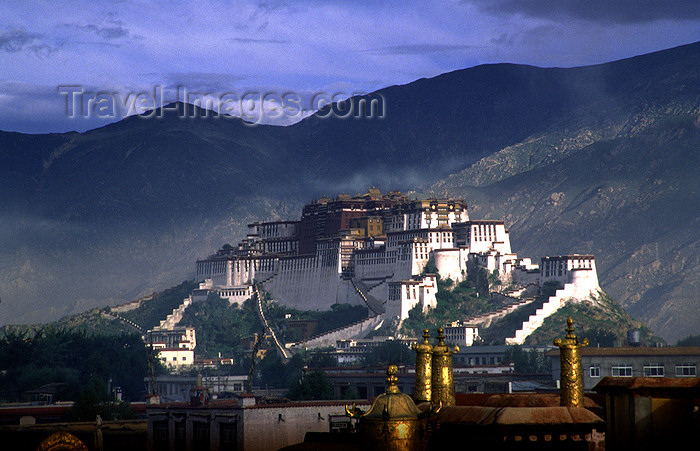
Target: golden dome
point(393, 423)
point(392, 405)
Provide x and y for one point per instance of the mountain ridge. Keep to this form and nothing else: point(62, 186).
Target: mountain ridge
point(125, 209)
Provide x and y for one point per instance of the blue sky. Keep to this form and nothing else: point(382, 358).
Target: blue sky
point(340, 48)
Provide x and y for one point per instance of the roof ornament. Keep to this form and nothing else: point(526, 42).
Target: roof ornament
point(393, 423)
point(571, 376)
point(424, 356)
point(442, 383)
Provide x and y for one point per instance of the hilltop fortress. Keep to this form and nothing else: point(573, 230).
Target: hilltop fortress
point(374, 249)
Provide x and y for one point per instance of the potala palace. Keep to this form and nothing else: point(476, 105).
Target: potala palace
point(372, 250)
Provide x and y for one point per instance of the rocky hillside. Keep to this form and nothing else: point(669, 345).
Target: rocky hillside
point(628, 195)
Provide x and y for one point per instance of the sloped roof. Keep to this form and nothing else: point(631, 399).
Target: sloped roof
point(516, 416)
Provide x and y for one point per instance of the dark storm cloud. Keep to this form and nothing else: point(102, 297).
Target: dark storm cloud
point(417, 49)
point(259, 41)
point(614, 11)
point(19, 40)
point(109, 32)
point(201, 81)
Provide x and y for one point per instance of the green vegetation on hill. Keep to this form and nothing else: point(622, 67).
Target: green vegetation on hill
point(221, 327)
point(454, 302)
point(506, 326)
point(604, 323)
point(70, 359)
point(90, 322)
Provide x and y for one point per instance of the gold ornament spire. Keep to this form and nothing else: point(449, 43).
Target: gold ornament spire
point(424, 356)
point(391, 380)
point(571, 375)
point(442, 384)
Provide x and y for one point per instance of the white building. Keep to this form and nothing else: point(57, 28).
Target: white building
point(175, 346)
point(575, 271)
point(460, 334)
point(406, 294)
point(177, 338)
point(176, 358)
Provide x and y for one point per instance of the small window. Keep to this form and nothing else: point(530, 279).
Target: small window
point(595, 371)
point(653, 370)
point(621, 370)
point(685, 369)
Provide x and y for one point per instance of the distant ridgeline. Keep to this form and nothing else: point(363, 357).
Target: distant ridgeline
point(382, 251)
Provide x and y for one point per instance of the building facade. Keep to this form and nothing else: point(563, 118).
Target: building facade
point(378, 250)
point(633, 361)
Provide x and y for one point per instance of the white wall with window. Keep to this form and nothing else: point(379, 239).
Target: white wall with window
point(654, 370)
point(621, 370)
point(686, 370)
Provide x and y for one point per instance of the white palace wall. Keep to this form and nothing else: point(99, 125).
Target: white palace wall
point(451, 263)
point(311, 288)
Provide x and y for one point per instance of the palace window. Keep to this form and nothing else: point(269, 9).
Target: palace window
point(160, 432)
point(685, 369)
point(654, 370)
point(621, 371)
point(595, 371)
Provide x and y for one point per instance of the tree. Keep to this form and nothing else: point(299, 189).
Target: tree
point(94, 400)
point(314, 386)
point(690, 340)
point(478, 277)
point(391, 352)
point(601, 337)
point(532, 361)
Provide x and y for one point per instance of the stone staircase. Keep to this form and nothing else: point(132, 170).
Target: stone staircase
point(487, 319)
point(175, 317)
point(374, 305)
point(359, 329)
point(116, 316)
point(267, 279)
point(553, 304)
point(261, 314)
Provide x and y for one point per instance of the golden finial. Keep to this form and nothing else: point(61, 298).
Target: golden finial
point(571, 375)
point(442, 384)
point(391, 379)
point(440, 337)
point(424, 356)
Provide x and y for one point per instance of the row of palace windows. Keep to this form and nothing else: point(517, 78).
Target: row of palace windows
point(648, 370)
